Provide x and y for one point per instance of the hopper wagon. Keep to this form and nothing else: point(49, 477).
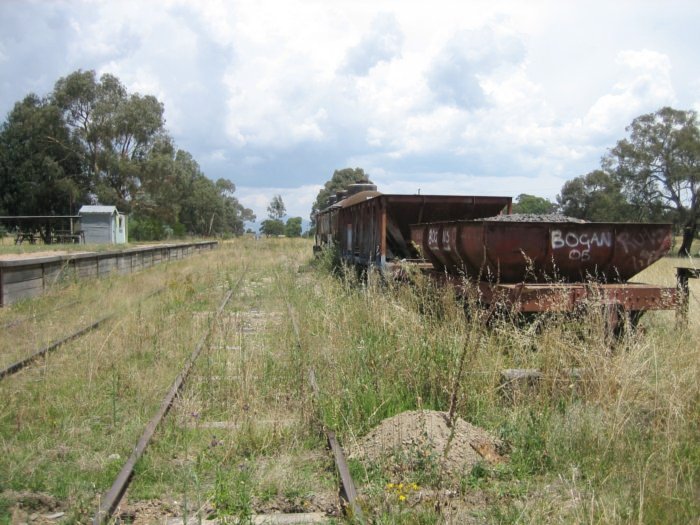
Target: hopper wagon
point(526, 264)
point(372, 229)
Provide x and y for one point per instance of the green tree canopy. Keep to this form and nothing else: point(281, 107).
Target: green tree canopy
point(293, 227)
point(596, 196)
point(272, 227)
point(40, 164)
point(90, 140)
point(658, 166)
point(116, 130)
point(525, 203)
point(340, 180)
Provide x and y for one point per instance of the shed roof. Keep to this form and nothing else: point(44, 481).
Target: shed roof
point(98, 209)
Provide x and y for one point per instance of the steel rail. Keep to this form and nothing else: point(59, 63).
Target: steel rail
point(348, 492)
point(23, 363)
point(111, 499)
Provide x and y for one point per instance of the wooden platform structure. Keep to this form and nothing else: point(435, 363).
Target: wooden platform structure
point(31, 276)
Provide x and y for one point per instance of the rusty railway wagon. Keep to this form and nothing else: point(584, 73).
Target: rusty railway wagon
point(525, 266)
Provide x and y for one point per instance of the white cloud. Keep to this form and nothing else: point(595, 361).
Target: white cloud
point(381, 44)
point(217, 155)
point(645, 86)
point(468, 57)
point(451, 183)
point(470, 96)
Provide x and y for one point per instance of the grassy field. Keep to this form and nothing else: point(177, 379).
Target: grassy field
point(618, 445)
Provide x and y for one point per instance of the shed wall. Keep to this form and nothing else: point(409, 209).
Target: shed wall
point(98, 228)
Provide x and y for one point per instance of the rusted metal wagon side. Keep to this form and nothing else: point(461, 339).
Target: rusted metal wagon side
point(530, 267)
point(372, 229)
point(522, 251)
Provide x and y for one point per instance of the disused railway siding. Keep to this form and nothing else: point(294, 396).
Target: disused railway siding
point(30, 277)
point(524, 264)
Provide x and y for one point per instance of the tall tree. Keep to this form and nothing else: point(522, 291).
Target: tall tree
point(276, 209)
point(273, 225)
point(90, 139)
point(659, 164)
point(234, 214)
point(339, 181)
point(175, 193)
point(40, 165)
point(115, 129)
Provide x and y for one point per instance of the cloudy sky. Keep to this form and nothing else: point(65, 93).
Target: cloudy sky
point(449, 97)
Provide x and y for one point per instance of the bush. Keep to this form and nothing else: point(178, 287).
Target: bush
point(146, 229)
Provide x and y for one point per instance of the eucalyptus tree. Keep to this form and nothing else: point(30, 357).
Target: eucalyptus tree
point(40, 164)
point(116, 130)
point(276, 209)
point(658, 165)
point(340, 180)
point(525, 203)
point(90, 140)
point(234, 214)
point(293, 227)
point(273, 225)
point(597, 196)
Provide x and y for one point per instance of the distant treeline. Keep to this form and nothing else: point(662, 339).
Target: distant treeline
point(90, 141)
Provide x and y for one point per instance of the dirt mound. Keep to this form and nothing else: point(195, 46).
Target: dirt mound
point(418, 440)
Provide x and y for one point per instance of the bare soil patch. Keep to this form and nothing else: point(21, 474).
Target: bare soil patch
point(422, 439)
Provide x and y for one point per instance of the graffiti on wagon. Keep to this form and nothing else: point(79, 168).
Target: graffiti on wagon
point(579, 245)
point(644, 247)
point(433, 236)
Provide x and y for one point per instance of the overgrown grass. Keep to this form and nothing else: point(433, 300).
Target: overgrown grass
point(69, 422)
point(617, 445)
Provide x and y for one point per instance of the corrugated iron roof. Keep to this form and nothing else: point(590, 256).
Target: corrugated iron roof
point(98, 209)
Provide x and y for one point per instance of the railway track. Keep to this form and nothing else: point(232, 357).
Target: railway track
point(348, 492)
point(41, 352)
point(110, 501)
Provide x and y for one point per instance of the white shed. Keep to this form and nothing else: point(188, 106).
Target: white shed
point(103, 225)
